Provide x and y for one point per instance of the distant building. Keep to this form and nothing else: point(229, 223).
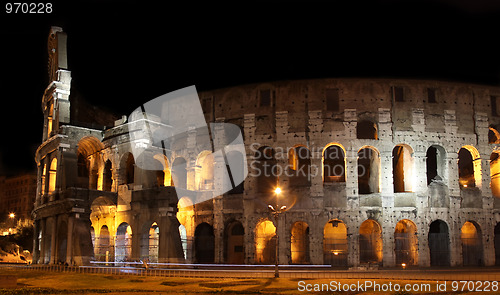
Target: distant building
point(17, 195)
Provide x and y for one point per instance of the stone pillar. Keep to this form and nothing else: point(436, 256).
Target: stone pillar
point(389, 258)
point(452, 161)
point(316, 240)
point(351, 179)
point(169, 246)
point(36, 242)
point(69, 245)
point(218, 229)
point(455, 244)
point(387, 182)
point(53, 242)
point(424, 259)
point(42, 241)
point(353, 244)
point(136, 239)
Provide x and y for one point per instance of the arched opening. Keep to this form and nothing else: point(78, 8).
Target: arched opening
point(266, 174)
point(107, 180)
point(406, 242)
point(493, 135)
point(300, 243)
point(101, 216)
point(123, 243)
point(333, 164)
point(163, 174)
point(149, 243)
point(89, 162)
point(103, 251)
point(236, 161)
point(234, 242)
point(52, 176)
point(83, 171)
point(204, 243)
point(439, 243)
point(265, 242)
point(402, 168)
point(335, 243)
point(435, 163)
point(495, 174)
point(185, 215)
point(299, 164)
point(497, 244)
point(366, 130)
point(469, 167)
point(179, 173)
point(205, 171)
point(368, 171)
point(370, 242)
point(127, 166)
point(44, 176)
point(472, 244)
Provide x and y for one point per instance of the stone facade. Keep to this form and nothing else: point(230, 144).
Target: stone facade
point(372, 171)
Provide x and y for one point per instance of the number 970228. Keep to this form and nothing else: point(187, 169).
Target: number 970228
point(28, 8)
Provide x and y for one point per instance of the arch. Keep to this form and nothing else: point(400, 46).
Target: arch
point(406, 242)
point(127, 166)
point(179, 173)
point(335, 243)
point(265, 242)
point(234, 243)
point(300, 243)
point(185, 215)
point(149, 242)
point(439, 243)
point(497, 244)
point(370, 242)
point(44, 183)
point(472, 244)
point(469, 167)
point(89, 162)
point(265, 169)
point(402, 168)
point(165, 173)
point(204, 243)
point(103, 251)
point(368, 170)
point(123, 243)
point(204, 179)
point(493, 135)
point(435, 163)
point(366, 129)
point(52, 175)
point(495, 174)
point(299, 164)
point(334, 163)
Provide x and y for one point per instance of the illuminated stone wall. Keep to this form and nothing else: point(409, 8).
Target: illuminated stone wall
point(402, 193)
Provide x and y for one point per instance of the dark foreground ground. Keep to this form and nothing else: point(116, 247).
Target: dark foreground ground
point(404, 282)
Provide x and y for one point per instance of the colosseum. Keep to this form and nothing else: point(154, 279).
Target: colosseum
point(373, 172)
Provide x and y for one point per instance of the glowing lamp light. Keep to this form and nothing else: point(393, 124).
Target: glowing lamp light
point(277, 190)
point(403, 265)
point(335, 253)
point(465, 185)
point(12, 215)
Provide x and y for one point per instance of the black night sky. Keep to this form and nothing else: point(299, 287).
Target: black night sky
point(125, 53)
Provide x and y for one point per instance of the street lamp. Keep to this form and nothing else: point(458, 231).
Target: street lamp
point(276, 212)
point(12, 216)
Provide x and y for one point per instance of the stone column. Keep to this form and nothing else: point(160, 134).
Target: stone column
point(353, 244)
point(389, 258)
point(36, 242)
point(69, 245)
point(387, 182)
point(351, 179)
point(53, 254)
point(42, 241)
